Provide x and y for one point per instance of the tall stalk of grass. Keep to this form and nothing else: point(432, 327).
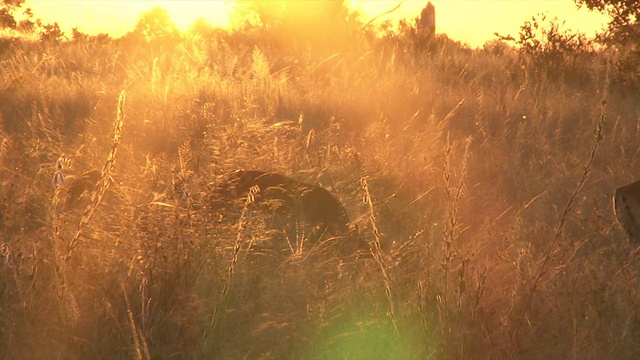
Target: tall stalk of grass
point(105, 177)
point(253, 191)
point(64, 252)
point(139, 342)
point(451, 232)
point(376, 250)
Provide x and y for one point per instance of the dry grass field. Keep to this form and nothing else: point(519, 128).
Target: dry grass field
point(480, 181)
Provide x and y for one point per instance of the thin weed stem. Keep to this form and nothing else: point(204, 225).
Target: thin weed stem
point(376, 250)
point(142, 350)
point(105, 178)
point(253, 191)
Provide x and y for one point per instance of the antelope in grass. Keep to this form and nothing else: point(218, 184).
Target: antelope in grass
point(286, 201)
point(626, 205)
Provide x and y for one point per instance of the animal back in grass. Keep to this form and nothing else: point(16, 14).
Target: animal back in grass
point(286, 204)
point(626, 205)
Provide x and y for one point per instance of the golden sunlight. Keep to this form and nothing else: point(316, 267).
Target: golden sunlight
point(470, 21)
point(116, 18)
point(475, 21)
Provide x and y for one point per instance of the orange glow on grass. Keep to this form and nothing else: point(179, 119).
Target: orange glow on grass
point(468, 21)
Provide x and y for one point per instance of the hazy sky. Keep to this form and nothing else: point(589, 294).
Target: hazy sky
point(470, 21)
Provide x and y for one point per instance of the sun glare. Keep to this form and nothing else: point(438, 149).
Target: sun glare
point(185, 13)
point(116, 18)
point(470, 21)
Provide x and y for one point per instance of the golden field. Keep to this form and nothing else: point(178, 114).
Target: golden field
point(480, 178)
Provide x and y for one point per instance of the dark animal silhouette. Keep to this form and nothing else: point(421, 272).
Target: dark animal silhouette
point(290, 202)
point(626, 206)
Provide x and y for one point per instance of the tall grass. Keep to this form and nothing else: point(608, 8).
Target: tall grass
point(488, 239)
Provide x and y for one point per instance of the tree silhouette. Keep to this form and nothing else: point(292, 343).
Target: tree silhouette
point(624, 15)
point(156, 28)
point(321, 23)
point(9, 9)
point(623, 32)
